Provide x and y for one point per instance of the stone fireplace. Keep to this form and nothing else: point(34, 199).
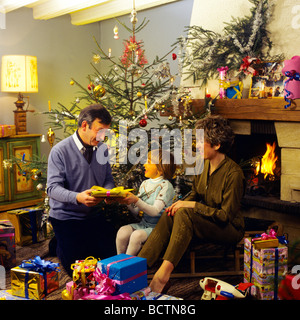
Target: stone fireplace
point(287, 137)
point(283, 123)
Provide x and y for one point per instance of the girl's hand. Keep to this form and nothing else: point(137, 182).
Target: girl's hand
point(179, 204)
point(130, 198)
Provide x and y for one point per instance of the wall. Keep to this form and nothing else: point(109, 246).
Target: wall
point(64, 51)
point(284, 26)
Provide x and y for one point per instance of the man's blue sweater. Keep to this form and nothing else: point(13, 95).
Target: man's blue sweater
point(69, 174)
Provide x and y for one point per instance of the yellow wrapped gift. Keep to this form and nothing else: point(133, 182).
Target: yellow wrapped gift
point(118, 192)
point(83, 269)
point(34, 278)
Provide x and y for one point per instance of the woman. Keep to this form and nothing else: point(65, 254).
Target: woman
point(211, 212)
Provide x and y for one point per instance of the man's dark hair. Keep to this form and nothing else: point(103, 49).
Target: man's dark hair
point(93, 112)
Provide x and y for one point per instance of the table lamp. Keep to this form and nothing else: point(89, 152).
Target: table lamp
point(19, 74)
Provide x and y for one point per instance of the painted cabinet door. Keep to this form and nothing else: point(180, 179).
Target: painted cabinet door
point(4, 185)
point(21, 186)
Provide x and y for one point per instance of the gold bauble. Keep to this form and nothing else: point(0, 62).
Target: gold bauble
point(99, 91)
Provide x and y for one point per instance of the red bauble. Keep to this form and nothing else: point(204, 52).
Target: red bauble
point(174, 56)
point(143, 122)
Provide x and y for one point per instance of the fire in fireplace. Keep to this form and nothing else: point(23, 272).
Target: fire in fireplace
point(262, 173)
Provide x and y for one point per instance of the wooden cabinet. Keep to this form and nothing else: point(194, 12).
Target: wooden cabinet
point(15, 190)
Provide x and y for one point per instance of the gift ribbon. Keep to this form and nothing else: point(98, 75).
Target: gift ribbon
point(233, 85)
point(123, 296)
point(105, 288)
point(265, 236)
point(292, 75)
point(38, 265)
point(109, 264)
point(88, 265)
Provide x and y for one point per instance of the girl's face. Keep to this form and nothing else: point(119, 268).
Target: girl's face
point(151, 170)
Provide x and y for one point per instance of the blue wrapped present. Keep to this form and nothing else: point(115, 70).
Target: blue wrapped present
point(128, 272)
point(234, 89)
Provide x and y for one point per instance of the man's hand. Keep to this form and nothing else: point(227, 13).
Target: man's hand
point(179, 204)
point(85, 198)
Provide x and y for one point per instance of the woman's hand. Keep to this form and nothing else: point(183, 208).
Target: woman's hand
point(179, 204)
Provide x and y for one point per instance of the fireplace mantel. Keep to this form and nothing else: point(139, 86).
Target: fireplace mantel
point(254, 109)
point(251, 109)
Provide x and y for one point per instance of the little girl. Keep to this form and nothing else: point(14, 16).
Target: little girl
point(154, 196)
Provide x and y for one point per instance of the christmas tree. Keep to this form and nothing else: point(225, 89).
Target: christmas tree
point(133, 90)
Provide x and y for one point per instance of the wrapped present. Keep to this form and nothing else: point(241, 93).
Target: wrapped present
point(74, 292)
point(7, 244)
point(7, 295)
point(28, 223)
point(83, 271)
point(118, 192)
point(34, 278)
point(234, 89)
point(261, 292)
point(7, 130)
point(266, 240)
point(265, 268)
point(291, 70)
point(129, 273)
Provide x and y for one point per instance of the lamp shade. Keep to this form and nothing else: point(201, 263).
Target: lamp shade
point(19, 74)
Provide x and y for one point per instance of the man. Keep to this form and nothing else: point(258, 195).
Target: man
point(80, 229)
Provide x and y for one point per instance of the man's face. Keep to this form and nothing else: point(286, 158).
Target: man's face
point(88, 135)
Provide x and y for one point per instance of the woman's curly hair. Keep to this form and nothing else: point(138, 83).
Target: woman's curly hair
point(217, 131)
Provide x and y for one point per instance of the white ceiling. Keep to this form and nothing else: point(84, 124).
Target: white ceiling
point(81, 11)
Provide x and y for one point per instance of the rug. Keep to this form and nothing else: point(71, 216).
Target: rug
point(185, 288)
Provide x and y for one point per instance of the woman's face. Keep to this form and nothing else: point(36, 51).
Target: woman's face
point(209, 151)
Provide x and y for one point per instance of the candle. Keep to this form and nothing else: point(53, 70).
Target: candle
point(136, 56)
point(146, 103)
point(49, 105)
point(109, 52)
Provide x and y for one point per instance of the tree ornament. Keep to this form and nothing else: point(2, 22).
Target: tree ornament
point(50, 136)
point(174, 56)
point(99, 91)
point(96, 58)
point(143, 123)
point(139, 94)
point(39, 187)
point(116, 32)
point(72, 82)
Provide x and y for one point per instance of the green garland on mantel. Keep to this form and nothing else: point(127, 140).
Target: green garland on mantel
point(204, 51)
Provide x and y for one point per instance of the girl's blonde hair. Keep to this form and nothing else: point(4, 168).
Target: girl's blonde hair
point(164, 162)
